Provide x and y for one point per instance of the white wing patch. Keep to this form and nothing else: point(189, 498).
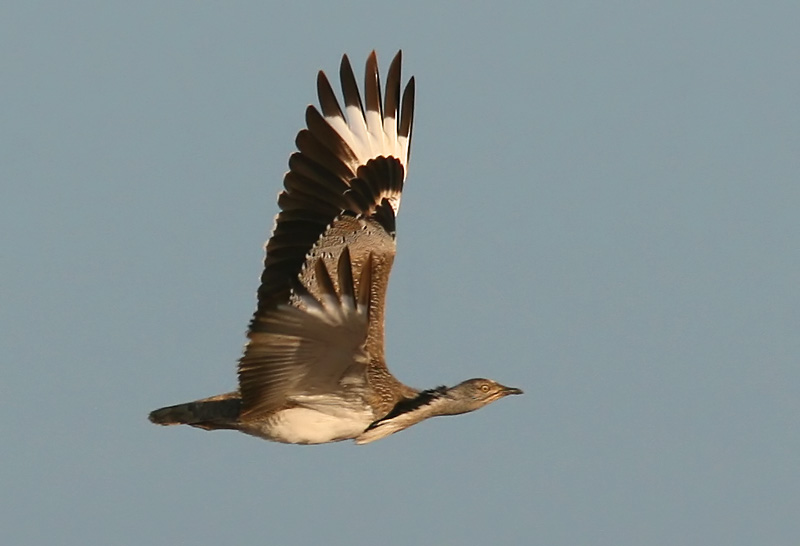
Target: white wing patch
point(373, 129)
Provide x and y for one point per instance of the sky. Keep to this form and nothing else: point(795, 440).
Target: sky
point(601, 209)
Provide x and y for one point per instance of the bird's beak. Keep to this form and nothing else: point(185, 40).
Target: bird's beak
point(511, 390)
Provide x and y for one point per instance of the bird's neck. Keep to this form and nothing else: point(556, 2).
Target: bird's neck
point(408, 412)
point(428, 403)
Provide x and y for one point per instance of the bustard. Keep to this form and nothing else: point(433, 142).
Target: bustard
point(313, 370)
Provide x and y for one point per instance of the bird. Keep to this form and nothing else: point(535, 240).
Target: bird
point(313, 369)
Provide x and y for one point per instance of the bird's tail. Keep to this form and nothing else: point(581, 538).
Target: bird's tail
point(217, 412)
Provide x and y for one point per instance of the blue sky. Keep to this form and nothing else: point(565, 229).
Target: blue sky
point(601, 209)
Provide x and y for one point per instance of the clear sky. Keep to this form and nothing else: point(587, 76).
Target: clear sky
point(602, 209)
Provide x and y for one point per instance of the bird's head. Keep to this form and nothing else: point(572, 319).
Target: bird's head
point(478, 392)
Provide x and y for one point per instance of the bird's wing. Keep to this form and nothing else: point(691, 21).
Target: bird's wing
point(313, 348)
point(342, 191)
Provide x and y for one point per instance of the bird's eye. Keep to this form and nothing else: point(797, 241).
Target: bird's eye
point(485, 388)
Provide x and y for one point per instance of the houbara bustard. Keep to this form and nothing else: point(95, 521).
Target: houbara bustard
point(313, 370)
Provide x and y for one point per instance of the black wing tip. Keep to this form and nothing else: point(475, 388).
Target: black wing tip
point(327, 98)
point(407, 106)
point(352, 96)
point(372, 85)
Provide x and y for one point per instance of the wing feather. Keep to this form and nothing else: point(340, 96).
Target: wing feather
point(339, 206)
point(302, 350)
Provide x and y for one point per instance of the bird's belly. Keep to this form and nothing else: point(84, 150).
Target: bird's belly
point(301, 425)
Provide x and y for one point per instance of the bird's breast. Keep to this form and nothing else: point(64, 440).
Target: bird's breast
point(304, 425)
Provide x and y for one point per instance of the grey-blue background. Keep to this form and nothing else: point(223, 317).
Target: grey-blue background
point(602, 209)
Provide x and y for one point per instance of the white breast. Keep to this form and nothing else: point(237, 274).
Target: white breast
point(301, 425)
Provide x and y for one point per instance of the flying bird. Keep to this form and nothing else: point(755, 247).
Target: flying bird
point(313, 369)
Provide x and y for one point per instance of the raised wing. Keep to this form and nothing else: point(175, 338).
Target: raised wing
point(342, 191)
